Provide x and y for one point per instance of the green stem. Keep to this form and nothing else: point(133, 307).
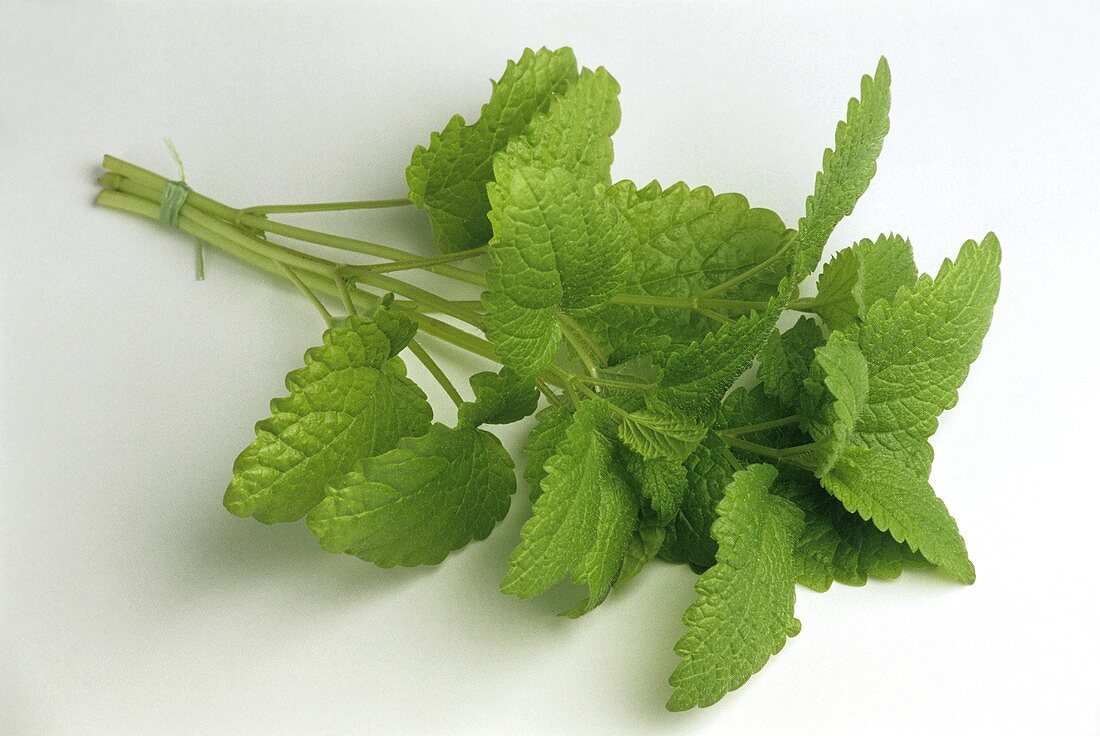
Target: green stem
point(142, 197)
point(154, 185)
point(345, 294)
point(551, 397)
point(362, 204)
point(725, 286)
point(419, 263)
point(786, 455)
point(787, 452)
point(437, 372)
point(474, 305)
point(611, 383)
point(580, 333)
point(673, 302)
point(571, 392)
point(421, 296)
point(448, 333)
point(758, 427)
point(716, 316)
point(593, 395)
point(754, 448)
point(307, 292)
point(580, 350)
point(224, 231)
point(805, 304)
point(300, 261)
point(356, 246)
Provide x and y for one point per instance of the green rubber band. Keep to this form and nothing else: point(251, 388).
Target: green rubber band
point(171, 202)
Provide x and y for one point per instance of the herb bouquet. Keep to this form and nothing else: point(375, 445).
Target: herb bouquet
point(629, 313)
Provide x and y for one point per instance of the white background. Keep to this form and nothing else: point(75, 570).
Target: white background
point(132, 603)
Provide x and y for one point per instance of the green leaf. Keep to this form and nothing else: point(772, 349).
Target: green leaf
point(558, 246)
point(682, 242)
point(565, 519)
point(786, 359)
point(349, 402)
point(861, 275)
point(709, 469)
point(898, 501)
point(661, 482)
point(838, 388)
point(745, 610)
point(644, 545)
point(415, 504)
point(542, 444)
point(600, 566)
point(888, 378)
point(448, 177)
point(500, 398)
point(836, 544)
point(655, 435)
point(839, 545)
point(846, 171)
point(574, 133)
point(918, 348)
point(696, 377)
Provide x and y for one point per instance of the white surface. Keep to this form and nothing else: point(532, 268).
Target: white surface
point(132, 603)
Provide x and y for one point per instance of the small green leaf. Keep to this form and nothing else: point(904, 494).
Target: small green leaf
point(448, 177)
point(500, 398)
point(877, 389)
point(684, 241)
point(846, 171)
point(837, 389)
point(566, 517)
point(415, 504)
point(744, 408)
point(861, 275)
point(696, 377)
point(900, 502)
point(661, 482)
point(745, 610)
point(786, 359)
point(542, 444)
point(655, 435)
point(918, 348)
point(574, 132)
point(839, 545)
point(600, 566)
point(349, 402)
point(709, 469)
point(644, 545)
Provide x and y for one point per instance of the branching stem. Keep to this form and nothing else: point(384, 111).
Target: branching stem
point(437, 373)
point(307, 292)
point(758, 427)
point(362, 204)
point(580, 349)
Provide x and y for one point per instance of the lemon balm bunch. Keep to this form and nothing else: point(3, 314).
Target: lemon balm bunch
point(621, 316)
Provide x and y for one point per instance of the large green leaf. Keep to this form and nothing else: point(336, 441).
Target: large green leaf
point(448, 177)
point(745, 609)
point(349, 402)
point(558, 247)
point(420, 501)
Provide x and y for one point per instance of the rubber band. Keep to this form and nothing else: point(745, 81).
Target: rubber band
point(171, 202)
